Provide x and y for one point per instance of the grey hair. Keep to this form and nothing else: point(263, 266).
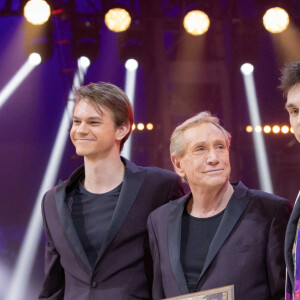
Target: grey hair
point(177, 143)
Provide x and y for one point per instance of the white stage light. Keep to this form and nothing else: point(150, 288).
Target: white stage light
point(259, 143)
point(17, 79)
point(84, 62)
point(29, 247)
point(247, 68)
point(131, 66)
point(34, 59)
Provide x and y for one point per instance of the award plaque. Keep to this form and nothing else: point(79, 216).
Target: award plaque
point(221, 293)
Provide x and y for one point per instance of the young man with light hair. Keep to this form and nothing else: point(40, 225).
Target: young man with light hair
point(95, 221)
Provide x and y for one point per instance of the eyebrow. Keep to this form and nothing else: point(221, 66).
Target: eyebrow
point(89, 118)
point(289, 105)
point(204, 143)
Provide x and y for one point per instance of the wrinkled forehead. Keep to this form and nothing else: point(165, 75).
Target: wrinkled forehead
point(203, 132)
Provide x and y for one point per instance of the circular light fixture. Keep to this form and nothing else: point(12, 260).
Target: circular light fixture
point(117, 19)
point(149, 126)
point(247, 68)
point(285, 129)
point(276, 20)
point(84, 62)
point(276, 129)
point(267, 129)
point(140, 126)
point(131, 64)
point(133, 127)
point(37, 12)
point(196, 22)
point(258, 128)
point(34, 59)
point(249, 128)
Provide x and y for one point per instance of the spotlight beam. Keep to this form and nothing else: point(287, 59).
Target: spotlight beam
point(14, 83)
point(259, 143)
point(23, 268)
point(130, 83)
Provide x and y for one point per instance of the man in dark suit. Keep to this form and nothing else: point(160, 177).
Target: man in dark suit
point(221, 233)
point(95, 222)
point(290, 85)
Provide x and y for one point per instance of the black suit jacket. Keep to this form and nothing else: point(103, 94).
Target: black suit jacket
point(246, 251)
point(120, 269)
point(290, 239)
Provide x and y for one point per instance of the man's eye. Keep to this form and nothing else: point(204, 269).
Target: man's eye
point(76, 122)
point(199, 148)
point(220, 147)
point(293, 111)
point(95, 122)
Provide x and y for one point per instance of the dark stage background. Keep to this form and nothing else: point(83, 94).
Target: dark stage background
point(179, 75)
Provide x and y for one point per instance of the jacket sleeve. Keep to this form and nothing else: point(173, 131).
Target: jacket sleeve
point(275, 251)
point(157, 285)
point(54, 282)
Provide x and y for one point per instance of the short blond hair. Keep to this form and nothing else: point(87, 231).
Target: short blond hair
point(177, 143)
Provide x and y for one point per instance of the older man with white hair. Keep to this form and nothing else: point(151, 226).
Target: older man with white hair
point(221, 233)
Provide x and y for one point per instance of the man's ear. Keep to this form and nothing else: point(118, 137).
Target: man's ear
point(122, 131)
point(176, 161)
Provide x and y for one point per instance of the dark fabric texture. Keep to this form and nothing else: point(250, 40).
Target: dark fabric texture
point(247, 250)
point(119, 272)
point(290, 239)
point(91, 215)
point(196, 236)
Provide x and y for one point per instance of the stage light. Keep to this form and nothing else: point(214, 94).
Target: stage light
point(247, 68)
point(258, 128)
point(149, 126)
point(276, 129)
point(249, 128)
point(131, 64)
point(39, 39)
point(34, 59)
point(84, 61)
point(140, 126)
point(133, 127)
point(276, 20)
point(196, 22)
point(37, 12)
point(86, 38)
point(285, 129)
point(117, 19)
point(18, 78)
point(264, 174)
point(267, 129)
point(292, 130)
point(21, 274)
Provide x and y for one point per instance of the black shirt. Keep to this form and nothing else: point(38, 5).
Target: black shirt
point(196, 236)
point(91, 215)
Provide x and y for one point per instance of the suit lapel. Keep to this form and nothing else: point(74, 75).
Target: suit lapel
point(232, 214)
point(67, 223)
point(174, 241)
point(132, 183)
point(290, 239)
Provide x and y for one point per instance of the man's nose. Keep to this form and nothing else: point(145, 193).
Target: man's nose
point(212, 157)
point(82, 128)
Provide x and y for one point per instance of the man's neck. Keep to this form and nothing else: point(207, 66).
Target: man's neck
point(209, 202)
point(103, 175)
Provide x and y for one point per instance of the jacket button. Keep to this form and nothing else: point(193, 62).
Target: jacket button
point(94, 284)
